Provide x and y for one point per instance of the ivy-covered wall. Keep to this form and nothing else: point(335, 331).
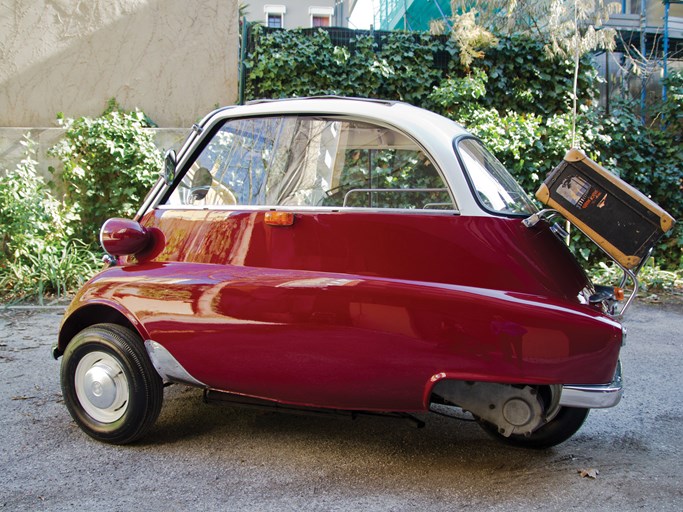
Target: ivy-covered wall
point(516, 98)
point(405, 66)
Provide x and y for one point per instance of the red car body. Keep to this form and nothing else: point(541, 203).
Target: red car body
point(361, 309)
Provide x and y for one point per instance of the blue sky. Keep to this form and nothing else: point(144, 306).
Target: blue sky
point(362, 15)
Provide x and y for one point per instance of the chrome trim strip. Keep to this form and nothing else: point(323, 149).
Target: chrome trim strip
point(599, 396)
point(380, 190)
point(168, 367)
point(306, 209)
point(326, 97)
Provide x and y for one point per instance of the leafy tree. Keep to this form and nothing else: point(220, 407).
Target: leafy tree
point(470, 38)
point(558, 23)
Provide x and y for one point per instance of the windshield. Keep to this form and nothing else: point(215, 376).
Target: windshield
point(495, 189)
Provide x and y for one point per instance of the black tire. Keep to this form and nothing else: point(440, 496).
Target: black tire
point(564, 425)
point(109, 385)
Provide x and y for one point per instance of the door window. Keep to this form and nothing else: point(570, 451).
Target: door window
point(314, 162)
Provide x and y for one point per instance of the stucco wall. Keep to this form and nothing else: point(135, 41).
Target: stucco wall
point(174, 59)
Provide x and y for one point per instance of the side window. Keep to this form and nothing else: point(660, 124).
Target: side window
point(311, 161)
point(389, 178)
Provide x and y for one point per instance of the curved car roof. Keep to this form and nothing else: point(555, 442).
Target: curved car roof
point(409, 118)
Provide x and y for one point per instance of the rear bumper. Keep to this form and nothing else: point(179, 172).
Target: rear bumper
point(598, 396)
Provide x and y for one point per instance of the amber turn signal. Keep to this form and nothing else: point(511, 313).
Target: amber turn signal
point(618, 293)
point(279, 218)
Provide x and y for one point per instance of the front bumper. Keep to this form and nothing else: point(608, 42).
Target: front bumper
point(56, 352)
point(598, 396)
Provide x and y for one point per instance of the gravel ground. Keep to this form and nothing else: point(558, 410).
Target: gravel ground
point(213, 457)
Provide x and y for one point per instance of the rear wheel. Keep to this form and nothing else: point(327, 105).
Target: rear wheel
point(109, 384)
point(561, 427)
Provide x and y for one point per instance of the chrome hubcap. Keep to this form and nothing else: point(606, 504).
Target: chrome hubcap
point(102, 387)
point(99, 386)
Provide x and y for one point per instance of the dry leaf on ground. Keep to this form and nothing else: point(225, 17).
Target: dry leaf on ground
point(588, 473)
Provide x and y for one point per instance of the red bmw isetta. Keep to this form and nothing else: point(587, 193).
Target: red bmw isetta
point(340, 254)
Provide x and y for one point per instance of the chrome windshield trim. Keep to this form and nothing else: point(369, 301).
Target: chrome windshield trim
point(599, 396)
point(168, 366)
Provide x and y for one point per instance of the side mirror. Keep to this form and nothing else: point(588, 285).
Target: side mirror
point(125, 237)
point(169, 166)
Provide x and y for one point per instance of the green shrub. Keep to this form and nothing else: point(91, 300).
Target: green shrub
point(652, 278)
point(403, 66)
point(109, 164)
point(650, 159)
point(670, 112)
point(37, 256)
point(531, 145)
point(47, 246)
point(458, 97)
point(522, 78)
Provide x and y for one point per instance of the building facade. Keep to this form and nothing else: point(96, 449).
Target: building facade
point(299, 13)
point(410, 14)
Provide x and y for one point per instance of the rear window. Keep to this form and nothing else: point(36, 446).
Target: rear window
point(493, 186)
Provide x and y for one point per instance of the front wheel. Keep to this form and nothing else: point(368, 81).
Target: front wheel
point(109, 384)
point(564, 424)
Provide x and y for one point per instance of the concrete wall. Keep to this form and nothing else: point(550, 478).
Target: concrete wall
point(174, 59)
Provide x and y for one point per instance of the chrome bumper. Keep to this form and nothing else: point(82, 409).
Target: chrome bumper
point(598, 396)
point(168, 367)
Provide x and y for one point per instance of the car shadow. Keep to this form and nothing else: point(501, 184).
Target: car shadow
point(186, 418)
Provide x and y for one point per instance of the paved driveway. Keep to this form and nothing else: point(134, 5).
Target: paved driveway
point(211, 457)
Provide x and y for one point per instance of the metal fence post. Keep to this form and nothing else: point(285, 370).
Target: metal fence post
point(242, 67)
